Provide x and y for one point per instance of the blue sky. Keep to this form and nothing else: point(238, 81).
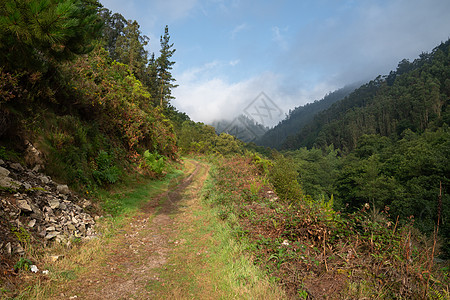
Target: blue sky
point(228, 52)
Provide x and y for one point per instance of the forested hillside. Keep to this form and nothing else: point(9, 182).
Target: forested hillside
point(299, 117)
point(242, 127)
point(414, 97)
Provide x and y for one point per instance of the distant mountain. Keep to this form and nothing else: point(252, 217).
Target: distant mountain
point(415, 97)
point(299, 117)
point(242, 127)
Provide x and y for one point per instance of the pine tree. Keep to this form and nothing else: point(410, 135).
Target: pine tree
point(163, 67)
point(151, 78)
point(114, 25)
point(130, 49)
point(35, 34)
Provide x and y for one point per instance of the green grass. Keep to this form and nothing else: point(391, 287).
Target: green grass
point(210, 263)
point(129, 195)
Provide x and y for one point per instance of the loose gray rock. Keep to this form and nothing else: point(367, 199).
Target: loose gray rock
point(51, 235)
point(8, 248)
point(63, 189)
point(37, 168)
point(19, 250)
point(32, 223)
point(54, 203)
point(23, 205)
point(16, 166)
point(32, 155)
point(86, 203)
point(6, 182)
point(4, 172)
point(44, 179)
point(52, 211)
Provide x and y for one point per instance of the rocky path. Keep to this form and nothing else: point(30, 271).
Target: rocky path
point(132, 259)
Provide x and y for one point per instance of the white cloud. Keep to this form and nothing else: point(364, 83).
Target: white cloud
point(367, 42)
point(205, 99)
point(279, 38)
point(238, 29)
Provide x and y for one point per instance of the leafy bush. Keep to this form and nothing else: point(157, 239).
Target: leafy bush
point(106, 172)
point(154, 162)
point(283, 176)
point(263, 164)
point(121, 105)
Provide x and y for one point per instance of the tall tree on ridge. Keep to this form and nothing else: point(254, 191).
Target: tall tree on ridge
point(130, 49)
point(114, 25)
point(163, 67)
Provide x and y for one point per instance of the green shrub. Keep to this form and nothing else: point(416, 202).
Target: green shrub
point(283, 176)
point(262, 164)
point(154, 162)
point(106, 172)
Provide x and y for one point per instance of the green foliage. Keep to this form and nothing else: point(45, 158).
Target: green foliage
point(121, 104)
point(9, 154)
point(23, 264)
point(196, 138)
point(227, 144)
point(317, 170)
point(35, 34)
point(263, 165)
point(154, 162)
point(73, 146)
point(21, 234)
point(298, 118)
point(307, 239)
point(163, 66)
point(114, 25)
point(130, 49)
point(106, 171)
point(9, 86)
point(284, 179)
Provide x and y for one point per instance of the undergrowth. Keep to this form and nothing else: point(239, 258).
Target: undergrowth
point(314, 252)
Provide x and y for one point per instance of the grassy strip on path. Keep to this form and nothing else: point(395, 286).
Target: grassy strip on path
point(207, 262)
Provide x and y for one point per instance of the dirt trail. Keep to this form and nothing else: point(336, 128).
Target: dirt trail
point(142, 246)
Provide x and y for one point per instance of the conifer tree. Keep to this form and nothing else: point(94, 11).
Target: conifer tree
point(130, 49)
point(35, 34)
point(163, 66)
point(151, 78)
point(114, 25)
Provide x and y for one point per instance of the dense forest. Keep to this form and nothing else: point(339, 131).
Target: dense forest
point(299, 117)
point(77, 83)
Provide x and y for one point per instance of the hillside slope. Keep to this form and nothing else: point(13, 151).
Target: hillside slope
point(299, 117)
point(414, 97)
